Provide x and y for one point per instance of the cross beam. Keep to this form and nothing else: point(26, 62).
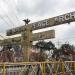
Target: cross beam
point(62, 19)
point(35, 37)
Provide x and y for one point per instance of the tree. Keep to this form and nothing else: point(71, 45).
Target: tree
point(64, 52)
point(41, 55)
point(67, 48)
point(49, 46)
point(41, 45)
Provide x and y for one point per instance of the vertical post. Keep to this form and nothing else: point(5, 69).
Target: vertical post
point(56, 68)
point(74, 67)
point(4, 69)
point(26, 42)
point(42, 68)
point(63, 69)
point(55, 72)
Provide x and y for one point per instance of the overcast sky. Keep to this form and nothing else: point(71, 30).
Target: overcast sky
point(12, 12)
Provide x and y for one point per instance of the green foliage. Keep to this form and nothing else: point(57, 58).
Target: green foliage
point(42, 45)
point(66, 46)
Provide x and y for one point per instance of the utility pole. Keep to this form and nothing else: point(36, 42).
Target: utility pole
point(58, 43)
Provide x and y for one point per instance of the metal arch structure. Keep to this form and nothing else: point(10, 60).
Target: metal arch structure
point(62, 19)
point(54, 21)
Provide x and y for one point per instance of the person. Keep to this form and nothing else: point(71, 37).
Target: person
point(7, 54)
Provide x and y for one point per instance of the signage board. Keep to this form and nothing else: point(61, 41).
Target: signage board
point(66, 18)
point(35, 37)
point(44, 35)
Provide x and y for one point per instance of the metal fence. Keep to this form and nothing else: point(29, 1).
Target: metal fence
point(38, 68)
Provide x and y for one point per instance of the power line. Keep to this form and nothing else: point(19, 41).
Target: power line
point(7, 16)
point(4, 20)
point(2, 36)
point(14, 6)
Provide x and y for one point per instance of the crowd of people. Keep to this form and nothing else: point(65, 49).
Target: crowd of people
point(14, 52)
point(11, 53)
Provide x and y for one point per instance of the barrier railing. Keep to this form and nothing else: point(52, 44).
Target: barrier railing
point(38, 68)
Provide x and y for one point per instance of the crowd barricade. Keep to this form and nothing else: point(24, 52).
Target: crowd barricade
point(38, 68)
